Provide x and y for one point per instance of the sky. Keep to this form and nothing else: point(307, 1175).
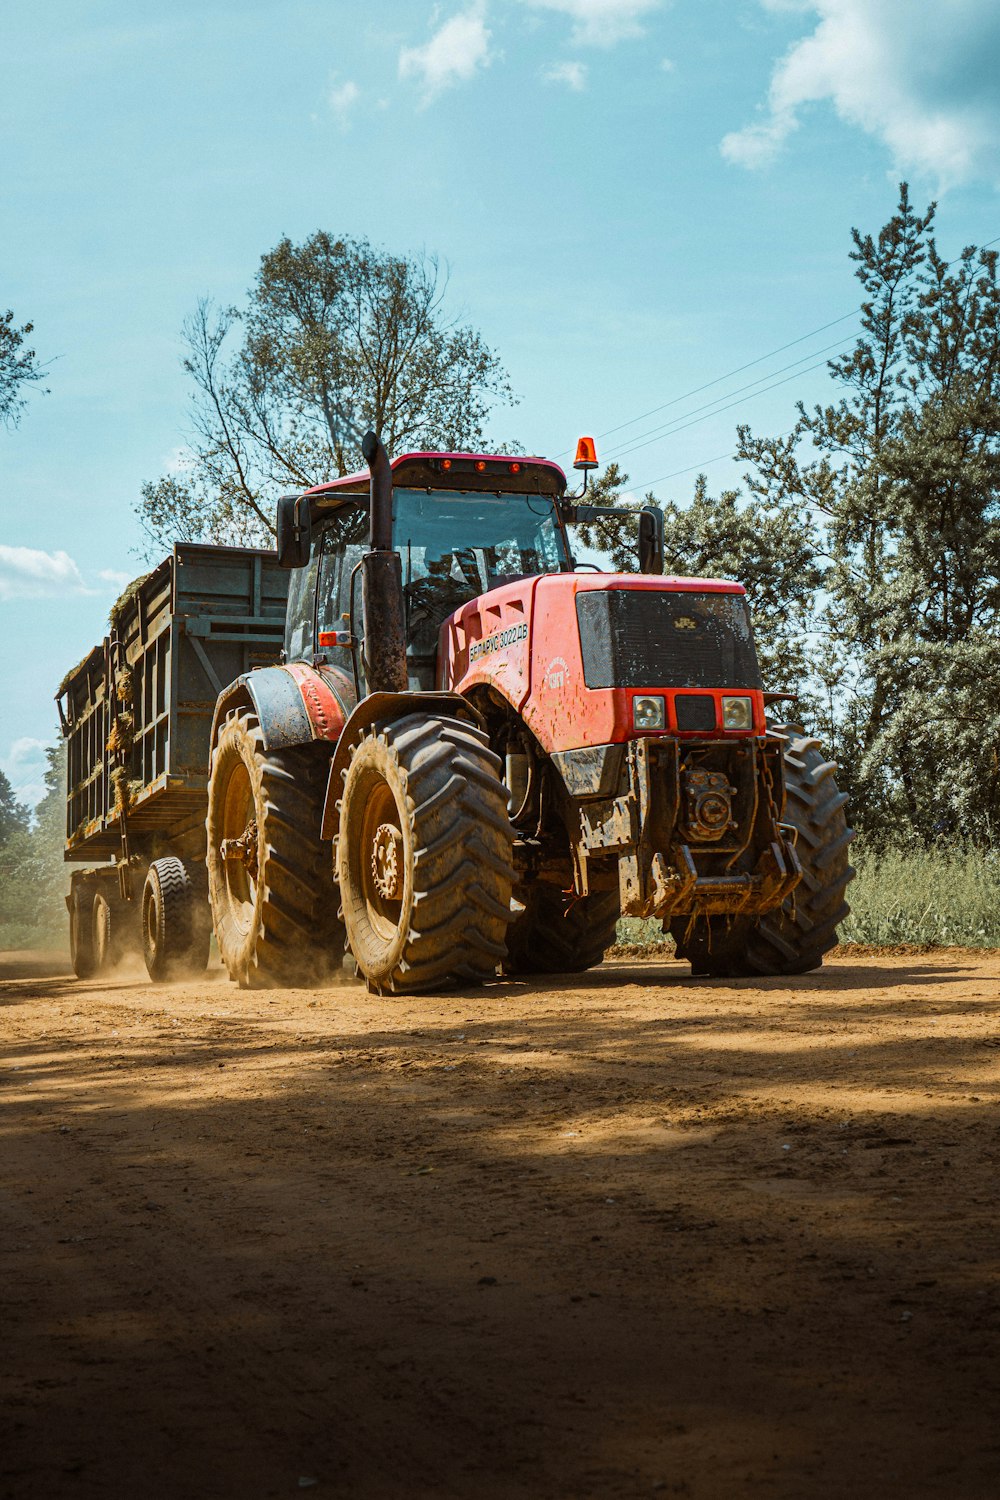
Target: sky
point(643, 205)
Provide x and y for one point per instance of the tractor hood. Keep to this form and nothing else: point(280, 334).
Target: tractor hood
point(570, 652)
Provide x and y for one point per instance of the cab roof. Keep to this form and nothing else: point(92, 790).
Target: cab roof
point(488, 473)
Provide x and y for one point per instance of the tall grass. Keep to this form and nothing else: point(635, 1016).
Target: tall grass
point(945, 896)
point(949, 896)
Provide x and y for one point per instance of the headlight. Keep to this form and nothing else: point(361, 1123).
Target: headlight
point(648, 713)
point(737, 713)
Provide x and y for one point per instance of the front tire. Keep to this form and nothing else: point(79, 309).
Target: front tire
point(794, 938)
point(423, 855)
point(273, 900)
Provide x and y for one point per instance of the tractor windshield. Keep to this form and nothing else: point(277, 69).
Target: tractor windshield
point(479, 540)
point(455, 547)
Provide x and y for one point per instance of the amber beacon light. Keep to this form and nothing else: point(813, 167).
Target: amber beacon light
point(586, 454)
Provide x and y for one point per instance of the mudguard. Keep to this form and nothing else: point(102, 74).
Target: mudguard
point(385, 706)
point(295, 704)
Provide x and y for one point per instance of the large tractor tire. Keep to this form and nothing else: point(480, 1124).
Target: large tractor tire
point(175, 938)
point(80, 902)
point(794, 938)
point(423, 855)
point(274, 906)
point(558, 934)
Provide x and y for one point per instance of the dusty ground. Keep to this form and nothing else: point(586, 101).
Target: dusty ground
point(625, 1235)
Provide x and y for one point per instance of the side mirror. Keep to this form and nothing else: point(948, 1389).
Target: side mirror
point(651, 539)
point(294, 528)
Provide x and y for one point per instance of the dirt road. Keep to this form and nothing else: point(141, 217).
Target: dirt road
point(626, 1235)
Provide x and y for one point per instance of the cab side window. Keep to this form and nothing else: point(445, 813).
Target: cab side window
point(342, 544)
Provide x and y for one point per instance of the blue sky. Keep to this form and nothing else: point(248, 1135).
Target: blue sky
point(633, 197)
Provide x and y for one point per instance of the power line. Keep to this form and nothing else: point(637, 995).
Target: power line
point(675, 400)
point(720, 409)
point(749, 365)
point(663, 431)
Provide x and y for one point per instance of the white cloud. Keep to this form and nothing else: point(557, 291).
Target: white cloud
point(573, 74)
point(28, 573)
point(25, 765)
point(119, 580)
point(601, 23)
point(453, 54)
point(923, 79)
point(343, 98)
point(25, 751)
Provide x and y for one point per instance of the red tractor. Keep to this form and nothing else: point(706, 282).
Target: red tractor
point(475, 756)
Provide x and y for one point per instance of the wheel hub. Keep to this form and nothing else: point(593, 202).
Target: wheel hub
point(242, 850)
point(387, 861)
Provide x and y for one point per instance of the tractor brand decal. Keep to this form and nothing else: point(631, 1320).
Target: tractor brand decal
point(498, 641)
point(556, 673)
point(685, 622)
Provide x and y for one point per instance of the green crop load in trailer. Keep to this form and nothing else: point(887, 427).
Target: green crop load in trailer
point(137, 715)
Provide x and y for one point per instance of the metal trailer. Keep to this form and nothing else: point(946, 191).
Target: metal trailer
point(137, 715)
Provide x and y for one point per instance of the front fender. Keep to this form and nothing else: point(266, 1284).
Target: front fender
point(369, 711)
point(294, 704)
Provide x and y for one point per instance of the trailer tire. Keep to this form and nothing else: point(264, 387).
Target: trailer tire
point(794, 938)
point(275, 910)
point(81, 931)
point(105, 936)
point(423, 855)
point(559, 934)
point(174, 940)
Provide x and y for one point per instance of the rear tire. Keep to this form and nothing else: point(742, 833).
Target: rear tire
point(423, 855)
point(561, 935)
point(794, 938)
point(174, 936)
point(275, 910)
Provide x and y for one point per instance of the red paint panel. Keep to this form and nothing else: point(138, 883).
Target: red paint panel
point(321, 704)
point(524, 641)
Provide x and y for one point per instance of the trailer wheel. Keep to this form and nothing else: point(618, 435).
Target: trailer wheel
point(795, 938)
point(174, 941)
point(560, 935)
point(274, 906)
point(423, 855)
point(81, 931)
point(107, 950)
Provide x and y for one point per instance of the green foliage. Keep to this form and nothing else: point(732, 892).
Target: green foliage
point(336, 337)
point(770, 549)
point(18, 368)
point(902, 472)
point(941, 895)
point(33, 878)
point(14, 816)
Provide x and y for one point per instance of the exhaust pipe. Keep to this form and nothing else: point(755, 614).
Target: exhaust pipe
point(382, 583)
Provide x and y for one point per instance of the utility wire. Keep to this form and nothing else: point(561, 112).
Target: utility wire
point(663, 431)
point(719, 410)
point(855, 313)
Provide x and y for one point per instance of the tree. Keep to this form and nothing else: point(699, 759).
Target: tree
point(337, 337)
point(33, 877)
point(904, 472)
point(18, 368)
point(771, 551)
point(14, 815)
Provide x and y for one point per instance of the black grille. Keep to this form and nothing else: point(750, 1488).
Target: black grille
point(665, 638)
point(694, 711)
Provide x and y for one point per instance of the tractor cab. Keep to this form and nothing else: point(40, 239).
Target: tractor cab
point(462, 526)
